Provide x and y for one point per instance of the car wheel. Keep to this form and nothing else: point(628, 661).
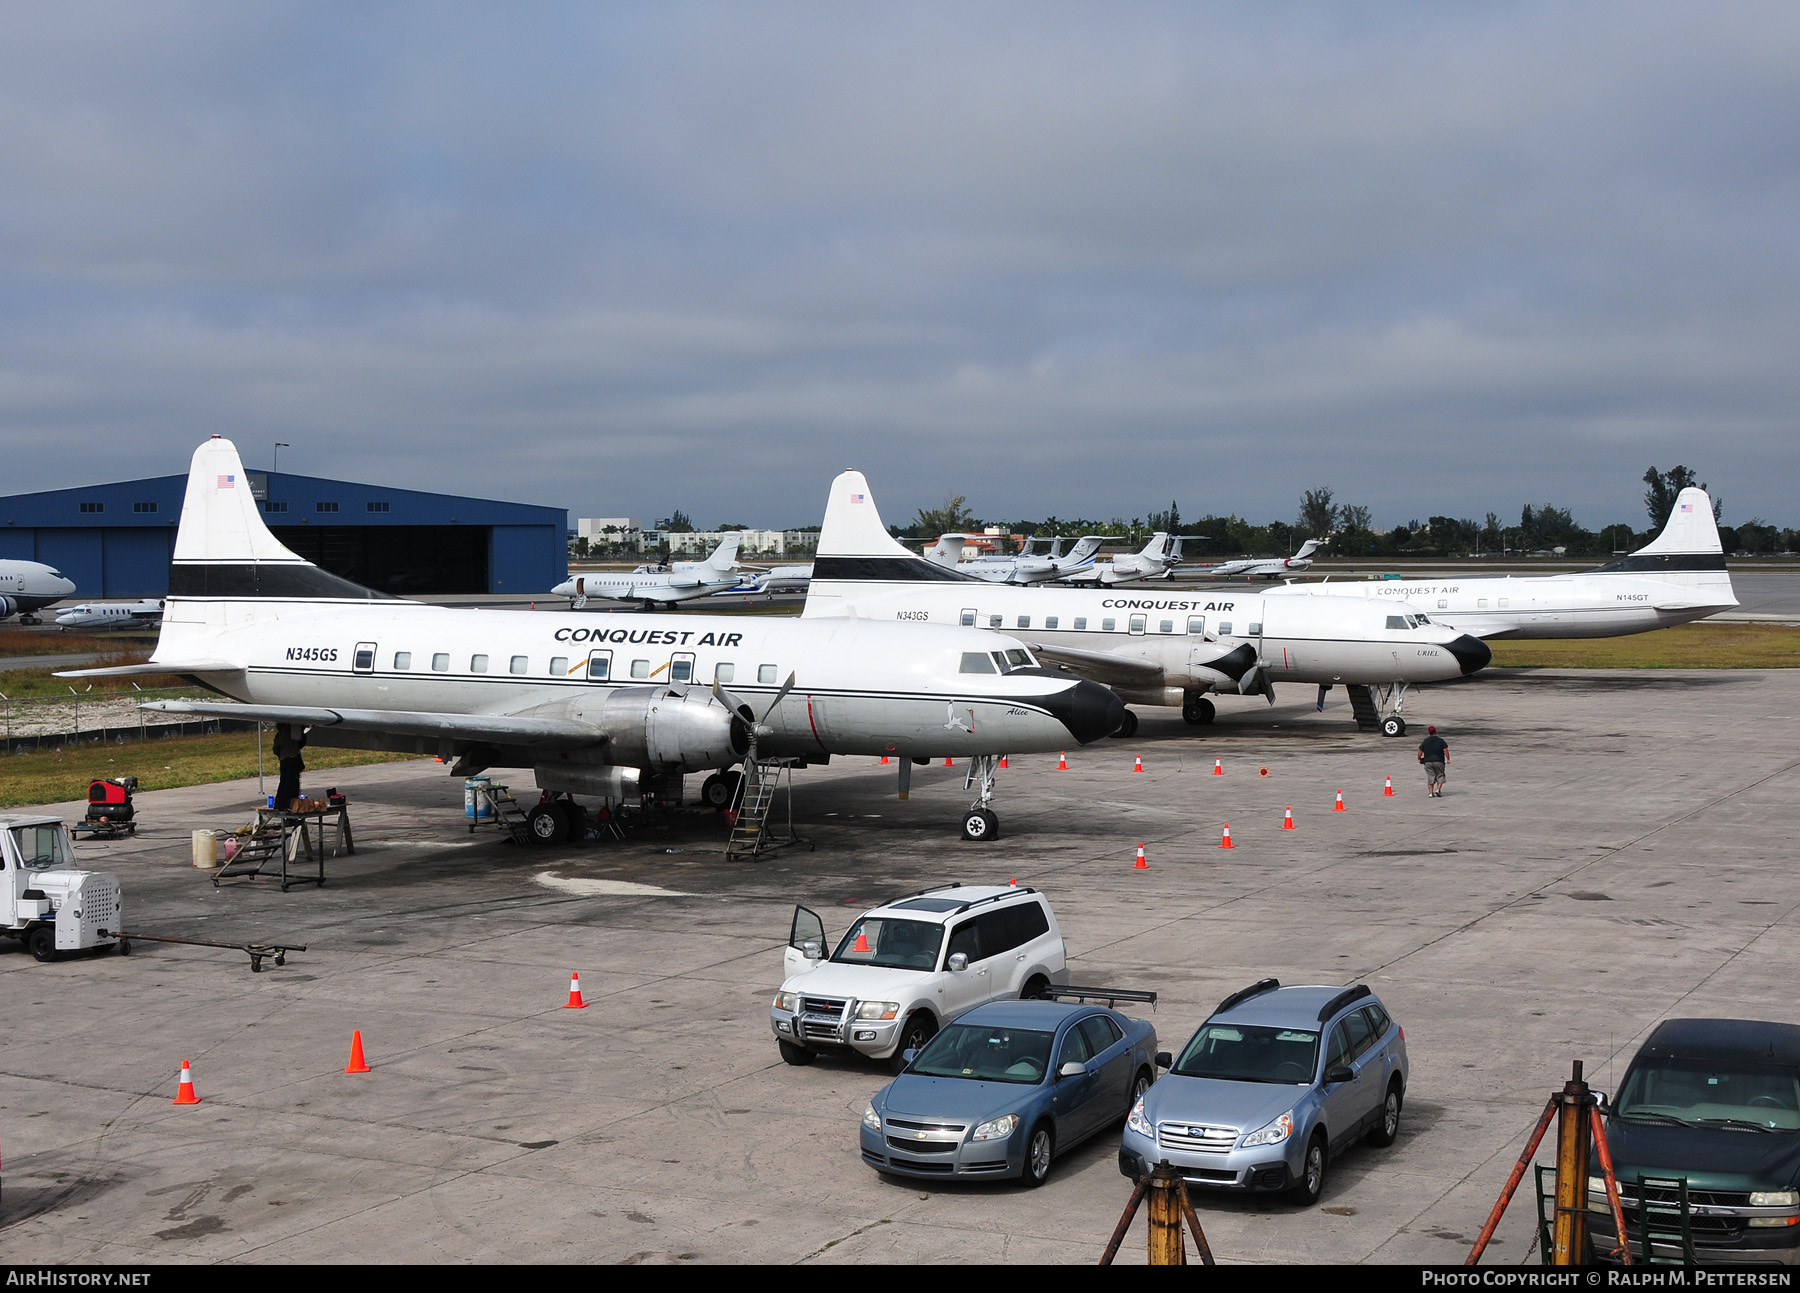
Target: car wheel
point(1393, 726)
point(795, 1055)
point(1383, 1133)
point(918, 1029)
point(1311, 1184)
point(1139, 1085)
point(1039, 1150)
point(1036, 989)
point(545, 824)
point(41, 942)
point(980, 824)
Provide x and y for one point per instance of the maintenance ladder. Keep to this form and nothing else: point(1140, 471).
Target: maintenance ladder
point(750, 836)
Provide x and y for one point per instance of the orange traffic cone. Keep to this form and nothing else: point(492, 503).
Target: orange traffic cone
point(184, 1091)
point(884, 758)
point(1387, 791)
point(1140, 864)
point(949, 762)
point(862, 942)
point(1338, 807)
point(1137, 764)
point(357, 1063)
point(1062, 763)
point(1003, 760)
point(1287, 819)
point(1218, 767)
point(575, 1002)
point(1225, 843)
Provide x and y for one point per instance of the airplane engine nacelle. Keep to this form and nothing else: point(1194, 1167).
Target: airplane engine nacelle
point(8, 608)
point(672, 729)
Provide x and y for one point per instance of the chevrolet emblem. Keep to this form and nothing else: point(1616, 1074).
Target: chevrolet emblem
point(918, 1135)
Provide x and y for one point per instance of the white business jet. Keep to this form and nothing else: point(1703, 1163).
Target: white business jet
point(27, 587)
point(1153, 649)
point(111, 615)
point(1261, 567)
point(1678, 576)
point(1033, 567)
point(593, 705)
point(1158, 560)
point(656, 587)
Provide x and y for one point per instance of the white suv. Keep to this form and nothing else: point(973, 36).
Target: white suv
point(909, 966)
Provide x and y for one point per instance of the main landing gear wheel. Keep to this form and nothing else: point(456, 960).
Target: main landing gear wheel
point(981, 824)
point(546, 825)
point(1127, 726)
point(1198, 712)
point(715, 792)
point(1393, 725)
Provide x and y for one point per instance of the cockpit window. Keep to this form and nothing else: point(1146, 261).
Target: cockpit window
point(977, 662)
point(1421, 619)
point(1013, 659)
point(41, 847)
point(1397, 622)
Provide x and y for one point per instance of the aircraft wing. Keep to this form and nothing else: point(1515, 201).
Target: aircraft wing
point(499, 728)
point(1101, 666)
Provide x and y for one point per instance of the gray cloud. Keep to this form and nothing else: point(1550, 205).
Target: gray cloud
point(1061, 259)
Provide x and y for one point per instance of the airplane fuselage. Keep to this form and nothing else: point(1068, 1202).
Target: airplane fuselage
point(27, 586)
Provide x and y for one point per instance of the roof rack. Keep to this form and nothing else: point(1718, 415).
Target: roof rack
point(1058, 991)
point(1007, 892)
point(1244, 994)
point(920, 893)
point(1343, 999)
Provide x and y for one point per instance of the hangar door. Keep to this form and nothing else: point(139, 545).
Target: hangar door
point(406, 560)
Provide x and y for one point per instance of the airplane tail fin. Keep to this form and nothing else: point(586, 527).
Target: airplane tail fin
point(1085, 550)
point(1307, 549)
point(948, 550)
point(724, 557)
point(1689, 529)
point(1158, 542)
point(223, 549)
point(854, 546)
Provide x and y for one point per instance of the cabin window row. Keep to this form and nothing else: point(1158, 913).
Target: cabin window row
point(1195, 625)
point(597, 666)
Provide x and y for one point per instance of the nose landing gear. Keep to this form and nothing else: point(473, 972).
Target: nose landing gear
point(981, 822)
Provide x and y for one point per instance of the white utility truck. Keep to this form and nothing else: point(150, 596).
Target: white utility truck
point(45, 902)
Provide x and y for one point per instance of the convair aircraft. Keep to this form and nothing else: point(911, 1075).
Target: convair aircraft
point(654, 587)
point(1150, 648)
point(1679, 576)
point(27, 586)
point(594, 705)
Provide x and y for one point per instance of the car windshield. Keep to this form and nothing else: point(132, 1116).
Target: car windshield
point(1020, 1055)
point(891, 944)
point(1249, 1053)
point(1713, 1091)
point(41, 847)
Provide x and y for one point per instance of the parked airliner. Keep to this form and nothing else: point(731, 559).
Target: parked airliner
point(1678, 576)
point(111, 615)
point(592, 704)
point(1151, 648)
point(28, 586)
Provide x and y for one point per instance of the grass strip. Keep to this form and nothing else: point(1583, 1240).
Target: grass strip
point(1701, 645)
point(50, 776)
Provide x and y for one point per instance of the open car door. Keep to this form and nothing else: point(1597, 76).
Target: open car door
point(807, 928)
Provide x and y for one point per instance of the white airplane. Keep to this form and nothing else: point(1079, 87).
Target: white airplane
point(654, 586)
point(1154, 649)
point(593, 705)
point(947, 551)
point(1678, 576)
point(28, 586)
point(1158, 560)
point(111, 615)
point(783, 579)
point(1033, 567)
point(1261, 567)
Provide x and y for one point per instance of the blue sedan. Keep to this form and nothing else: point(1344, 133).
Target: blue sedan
point(1007, 1087)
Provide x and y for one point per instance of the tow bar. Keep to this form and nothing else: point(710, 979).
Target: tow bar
point(255, 951)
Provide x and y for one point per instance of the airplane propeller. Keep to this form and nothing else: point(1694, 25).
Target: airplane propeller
point(759, 727)
point(1255, 681)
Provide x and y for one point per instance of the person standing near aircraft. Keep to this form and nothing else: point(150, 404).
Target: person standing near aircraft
point(1434, 753)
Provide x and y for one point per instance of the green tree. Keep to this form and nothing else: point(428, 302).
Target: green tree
point(1317, 514)
point(1357, 518)
point(1659, 499)
point(952, 518)
point(680, 523)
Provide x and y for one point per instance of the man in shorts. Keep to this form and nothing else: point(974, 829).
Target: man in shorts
point(1434, 753)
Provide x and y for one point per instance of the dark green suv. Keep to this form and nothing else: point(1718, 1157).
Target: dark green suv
point(1714, 1103)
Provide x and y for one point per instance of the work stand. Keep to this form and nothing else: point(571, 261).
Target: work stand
point(290, 847)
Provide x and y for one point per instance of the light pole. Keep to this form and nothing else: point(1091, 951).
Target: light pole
point(279, 446)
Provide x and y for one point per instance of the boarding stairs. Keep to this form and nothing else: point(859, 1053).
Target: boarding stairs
point(1362, 703)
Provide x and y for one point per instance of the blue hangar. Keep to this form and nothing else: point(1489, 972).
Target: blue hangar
point(116, 540)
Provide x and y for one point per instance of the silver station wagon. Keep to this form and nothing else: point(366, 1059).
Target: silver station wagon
point(1271, 1087)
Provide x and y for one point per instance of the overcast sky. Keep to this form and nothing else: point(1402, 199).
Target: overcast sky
point(1077, 260)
